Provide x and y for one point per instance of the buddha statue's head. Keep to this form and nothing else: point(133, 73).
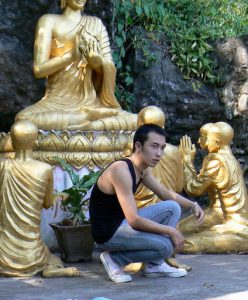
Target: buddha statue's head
point(73, 4)
point(23, 135)
point(203, 135)
point(151, 115)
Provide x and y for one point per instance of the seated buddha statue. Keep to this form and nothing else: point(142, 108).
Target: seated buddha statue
point(225, 226)
point(26, 186)
point(72, 51)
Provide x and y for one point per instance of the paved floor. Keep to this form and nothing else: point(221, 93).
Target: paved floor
point(213, 277)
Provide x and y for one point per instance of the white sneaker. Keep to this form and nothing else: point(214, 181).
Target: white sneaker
point(163, 270)
point(114, 272)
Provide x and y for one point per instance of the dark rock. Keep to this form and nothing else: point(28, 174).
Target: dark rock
point(162, 84)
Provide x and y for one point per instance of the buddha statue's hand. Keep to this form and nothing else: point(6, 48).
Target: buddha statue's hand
point(187, 149)
point(90, 50)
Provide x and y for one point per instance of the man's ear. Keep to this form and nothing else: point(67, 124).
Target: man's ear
point(138, 146)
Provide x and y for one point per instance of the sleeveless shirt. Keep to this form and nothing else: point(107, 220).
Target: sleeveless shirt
point(106, 214)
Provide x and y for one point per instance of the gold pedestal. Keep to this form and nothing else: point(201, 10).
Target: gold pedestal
point(79, 148)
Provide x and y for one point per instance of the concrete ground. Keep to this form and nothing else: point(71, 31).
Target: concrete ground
point(213, 277)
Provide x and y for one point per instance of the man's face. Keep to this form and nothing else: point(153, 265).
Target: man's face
point(153, 149)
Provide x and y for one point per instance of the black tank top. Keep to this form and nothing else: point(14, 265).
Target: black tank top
point(105, 211)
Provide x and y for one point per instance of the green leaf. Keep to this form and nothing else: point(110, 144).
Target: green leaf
point(138, 10)
point(119, 41)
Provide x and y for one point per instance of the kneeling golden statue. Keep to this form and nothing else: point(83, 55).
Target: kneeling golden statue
point(225, 227)
point(26, 186)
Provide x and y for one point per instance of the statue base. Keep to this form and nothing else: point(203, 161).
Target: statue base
point(79, 148)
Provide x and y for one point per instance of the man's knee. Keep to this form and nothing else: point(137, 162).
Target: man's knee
point(176, 207)
point(172, 206)
point(165, 249)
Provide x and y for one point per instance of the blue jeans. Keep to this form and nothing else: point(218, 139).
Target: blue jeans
point(128, 245)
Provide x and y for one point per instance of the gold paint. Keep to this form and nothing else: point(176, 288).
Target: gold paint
point(102, 159)
point(52, 142)
point(77, 143)
point(225, 226)
point(26, 186)
point(78, 148)
point(102, 141)
point(76, 60)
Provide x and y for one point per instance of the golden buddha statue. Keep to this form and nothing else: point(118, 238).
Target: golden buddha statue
point(225, 226)
point(72, 51)
point(26, 186)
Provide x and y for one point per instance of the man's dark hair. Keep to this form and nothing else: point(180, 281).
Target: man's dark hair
point(141, 134)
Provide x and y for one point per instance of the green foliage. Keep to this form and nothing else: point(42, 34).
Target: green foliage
point(75, 203)
point(191, 27)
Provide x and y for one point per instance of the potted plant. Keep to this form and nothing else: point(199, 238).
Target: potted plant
point(74, 233)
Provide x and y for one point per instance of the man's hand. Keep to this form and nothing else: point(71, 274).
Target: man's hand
point(198, 212)
point(177, 239)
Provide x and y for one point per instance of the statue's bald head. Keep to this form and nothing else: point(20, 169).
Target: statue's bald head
point(219, 135)
point(151, 115)
point(226, 133)
point(205, 127)
point(23, 135)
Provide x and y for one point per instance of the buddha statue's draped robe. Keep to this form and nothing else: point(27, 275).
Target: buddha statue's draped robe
point(22, 251)
point(77, 88)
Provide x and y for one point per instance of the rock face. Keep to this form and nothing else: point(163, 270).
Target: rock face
point(160, 84)
point(186, 110)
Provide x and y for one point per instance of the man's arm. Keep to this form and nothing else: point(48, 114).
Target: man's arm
point(165, 194)
point(122, 183)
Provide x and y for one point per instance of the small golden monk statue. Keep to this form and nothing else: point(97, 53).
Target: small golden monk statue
point(225, 226)
point(72, 51)
point(26, 186)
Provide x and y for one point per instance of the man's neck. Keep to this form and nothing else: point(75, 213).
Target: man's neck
point(138, 163)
